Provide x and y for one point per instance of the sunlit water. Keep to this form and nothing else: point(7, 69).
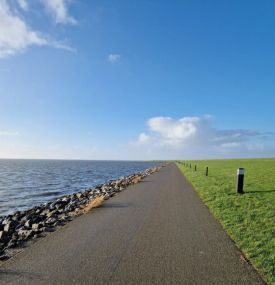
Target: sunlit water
point(26, 183)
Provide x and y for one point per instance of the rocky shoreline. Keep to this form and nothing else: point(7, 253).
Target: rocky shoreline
point(19, 228)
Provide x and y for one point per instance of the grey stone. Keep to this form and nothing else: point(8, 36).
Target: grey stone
point(79, 195)
point(47, 229)
point(50, 221)
point(5, 221)
point(8, 228)
point(24, 234)
point(28, 224)
point(58, 223)
point(12, 244)
point(37, 219)
point(45, 212)
point(37, 226)
point(4, 257)
point(106, 197)
point(3, 234)
point(51, 214)
point(38, 235)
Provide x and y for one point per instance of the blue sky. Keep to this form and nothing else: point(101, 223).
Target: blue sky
point(137, 79)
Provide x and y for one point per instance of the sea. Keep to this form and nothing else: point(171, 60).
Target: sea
point(27, 183)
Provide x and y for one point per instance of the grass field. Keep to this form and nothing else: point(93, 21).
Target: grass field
point(249, 218)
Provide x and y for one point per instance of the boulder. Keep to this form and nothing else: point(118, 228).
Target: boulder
point(28, 224)
point(4, 237)
point(12, 243)
point(50, 221)
point(79, 195)
point(37, 226)
point(4, 256)
point(24, 234)
point(10, 226)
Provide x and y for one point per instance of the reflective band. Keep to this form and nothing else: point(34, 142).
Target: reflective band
point(240, 171)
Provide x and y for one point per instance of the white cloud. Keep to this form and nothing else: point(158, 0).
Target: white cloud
point(62, 45)
point(167, 131)
point(174, 131)
point(113, 57)
point(23, 4)
point(59, 10)
point(15, 35)
point(196, 137)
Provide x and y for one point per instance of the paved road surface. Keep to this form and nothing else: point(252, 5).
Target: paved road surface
point(156, 232)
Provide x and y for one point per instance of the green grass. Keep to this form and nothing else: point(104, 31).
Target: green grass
point(249, 219)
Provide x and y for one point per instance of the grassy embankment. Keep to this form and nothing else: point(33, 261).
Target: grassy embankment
point(250, 218)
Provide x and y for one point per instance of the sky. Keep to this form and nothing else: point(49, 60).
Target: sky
point(135, 80)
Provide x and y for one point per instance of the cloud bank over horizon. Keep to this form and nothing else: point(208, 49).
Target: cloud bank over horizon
point(190, 137)
point(196, 137)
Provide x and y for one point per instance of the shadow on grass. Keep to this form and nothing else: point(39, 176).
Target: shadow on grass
point(260, 191)
point(254, 191)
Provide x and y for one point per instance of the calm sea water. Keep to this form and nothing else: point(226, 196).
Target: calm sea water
point(26, 183)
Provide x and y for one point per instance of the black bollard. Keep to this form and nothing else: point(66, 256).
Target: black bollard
point(206, 171)
point(190, 165)
point(240, 181)
point(195, 167)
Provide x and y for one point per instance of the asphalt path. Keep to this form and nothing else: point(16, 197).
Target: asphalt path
point(155, 232)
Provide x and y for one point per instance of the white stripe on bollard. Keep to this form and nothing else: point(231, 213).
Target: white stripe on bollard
point(240, 181)
point(240, 171)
